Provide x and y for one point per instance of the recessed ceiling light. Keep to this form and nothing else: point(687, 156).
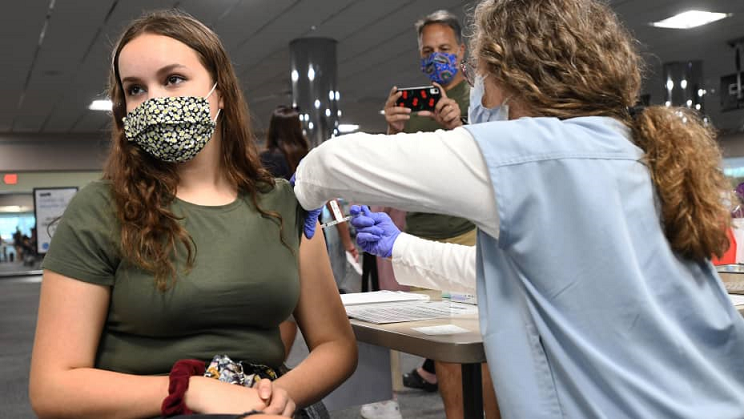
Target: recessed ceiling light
point(689, 19)
point(346, 128)
point(101, 105)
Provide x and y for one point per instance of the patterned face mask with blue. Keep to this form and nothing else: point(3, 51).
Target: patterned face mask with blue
point(477, 113)
point(440, 67)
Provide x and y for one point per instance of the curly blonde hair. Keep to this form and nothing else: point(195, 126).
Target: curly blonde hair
point(570, 58)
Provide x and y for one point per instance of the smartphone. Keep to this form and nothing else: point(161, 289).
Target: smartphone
point(422, 98)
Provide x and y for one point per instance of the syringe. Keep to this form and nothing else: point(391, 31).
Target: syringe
point(334, 222)
point(337, 215)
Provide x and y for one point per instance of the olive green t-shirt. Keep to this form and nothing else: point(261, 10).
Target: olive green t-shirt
point(438, 226)
point(243, 283)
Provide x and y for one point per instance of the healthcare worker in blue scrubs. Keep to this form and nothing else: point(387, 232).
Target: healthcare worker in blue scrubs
point(596, 294)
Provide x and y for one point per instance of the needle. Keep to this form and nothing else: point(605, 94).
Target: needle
point(334, 222)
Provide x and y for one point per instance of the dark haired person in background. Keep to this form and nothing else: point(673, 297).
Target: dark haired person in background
point(286, 145)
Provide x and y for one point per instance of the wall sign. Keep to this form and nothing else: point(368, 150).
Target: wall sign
point(730, 98)
point(49, 205)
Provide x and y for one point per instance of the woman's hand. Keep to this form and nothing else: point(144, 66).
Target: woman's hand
point(210, 396)
point(276, 398)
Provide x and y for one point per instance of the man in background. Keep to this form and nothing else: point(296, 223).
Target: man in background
point(441, 51)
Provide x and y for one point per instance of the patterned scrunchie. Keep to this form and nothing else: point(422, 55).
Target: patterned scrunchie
point(245, 374)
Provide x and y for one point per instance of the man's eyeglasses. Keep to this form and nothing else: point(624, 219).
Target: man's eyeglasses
point(468, 72)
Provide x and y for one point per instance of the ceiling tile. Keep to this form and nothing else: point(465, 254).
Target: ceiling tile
point(249, 17)
point(21, 24)
point(65, 44)
point(376, 49)
point(91, 121)
point(208, 12)
point(358, 17)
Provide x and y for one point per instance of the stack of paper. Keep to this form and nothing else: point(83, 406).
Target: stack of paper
point(736, 300)
point(381, 297)
point(408, 311)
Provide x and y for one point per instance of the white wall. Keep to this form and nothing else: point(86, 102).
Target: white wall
point(52, 152)
point(27, 181)
point(49, 160)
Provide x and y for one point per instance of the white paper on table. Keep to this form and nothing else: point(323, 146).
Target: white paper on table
point(354, 264)
point(738, 231)
point(445, 329)
point(355, 298)
point(463, 308)
point(407, 311)
point(736, 300)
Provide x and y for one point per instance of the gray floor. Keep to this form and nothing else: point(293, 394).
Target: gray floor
point(18, 268)
point(413, 403)
point(18, 305)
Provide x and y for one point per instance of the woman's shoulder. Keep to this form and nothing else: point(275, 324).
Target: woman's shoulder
point(281, 193)
point(98, 188)
point(95, 194)
point(94, 203)
point(549, 138)
point(280, 198)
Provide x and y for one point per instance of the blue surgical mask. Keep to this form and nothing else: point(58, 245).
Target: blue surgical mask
point(477, 113)
point(440, 67)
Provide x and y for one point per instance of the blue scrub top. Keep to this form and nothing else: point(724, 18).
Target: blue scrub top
point(585, 310)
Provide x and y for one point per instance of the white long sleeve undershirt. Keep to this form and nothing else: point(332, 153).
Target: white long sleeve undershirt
point(435, 172)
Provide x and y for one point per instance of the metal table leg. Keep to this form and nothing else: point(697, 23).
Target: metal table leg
point(472, 391)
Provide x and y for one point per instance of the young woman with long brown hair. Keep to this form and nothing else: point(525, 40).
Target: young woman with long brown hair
point(597, 222)
point(186, 249)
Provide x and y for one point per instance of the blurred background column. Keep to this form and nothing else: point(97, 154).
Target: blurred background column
point(314, 86)
point(684, 84)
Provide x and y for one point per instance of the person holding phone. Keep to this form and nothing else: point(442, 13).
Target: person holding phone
point(441, 50)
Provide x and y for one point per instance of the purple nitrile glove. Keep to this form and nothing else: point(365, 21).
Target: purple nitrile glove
point(311, 220)
point(376, 232)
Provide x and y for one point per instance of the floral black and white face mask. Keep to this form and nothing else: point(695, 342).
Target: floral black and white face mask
point(172, 129)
